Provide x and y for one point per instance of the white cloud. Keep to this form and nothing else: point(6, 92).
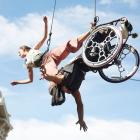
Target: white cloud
point(66, 129)
point(105, 1)
point(131, 3)
point(13, 34)
point(25, 30)
point(68, 23)
point(28, 30)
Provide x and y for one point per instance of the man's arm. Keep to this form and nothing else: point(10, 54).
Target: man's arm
point(39, 45)
point(80, 110)
point(26, 81)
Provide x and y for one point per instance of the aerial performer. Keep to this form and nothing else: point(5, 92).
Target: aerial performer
point(48, 63)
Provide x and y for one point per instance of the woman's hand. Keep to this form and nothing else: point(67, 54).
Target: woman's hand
point(82, 125)
point(13, 83)
point(45, 19)
point(40, 43)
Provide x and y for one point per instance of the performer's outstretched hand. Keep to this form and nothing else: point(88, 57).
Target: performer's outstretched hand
point(13, 83)
point(82, 125)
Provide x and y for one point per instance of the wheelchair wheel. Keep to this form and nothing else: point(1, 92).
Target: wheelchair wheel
point(102, 46)
point(124, 67)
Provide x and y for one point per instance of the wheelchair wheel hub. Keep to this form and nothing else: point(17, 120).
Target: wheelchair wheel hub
point(102, 46)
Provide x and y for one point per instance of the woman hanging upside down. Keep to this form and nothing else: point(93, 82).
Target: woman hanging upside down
point(49, 62)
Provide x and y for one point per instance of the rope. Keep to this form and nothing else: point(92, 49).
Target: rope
point(95, 8)
point(50, 33)
point(96, 18)
point(136, 80)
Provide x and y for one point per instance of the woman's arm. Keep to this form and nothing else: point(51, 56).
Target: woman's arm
point(39, 45)
point(80, 111)
point(29, 80)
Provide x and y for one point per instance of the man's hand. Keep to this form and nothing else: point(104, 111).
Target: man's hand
point(82, 125)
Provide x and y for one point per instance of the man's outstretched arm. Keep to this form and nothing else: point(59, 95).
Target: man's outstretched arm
point(80, 111)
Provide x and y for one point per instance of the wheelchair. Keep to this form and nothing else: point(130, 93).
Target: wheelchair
point(106, 51)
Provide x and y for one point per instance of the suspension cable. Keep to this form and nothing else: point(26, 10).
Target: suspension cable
point(94, 8)
point(136, 80)
point(96, 18)
point(50, 33)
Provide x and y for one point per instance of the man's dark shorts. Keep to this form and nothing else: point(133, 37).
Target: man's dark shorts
point(73, 76)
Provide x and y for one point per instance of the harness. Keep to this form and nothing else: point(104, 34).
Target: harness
point(33, 59)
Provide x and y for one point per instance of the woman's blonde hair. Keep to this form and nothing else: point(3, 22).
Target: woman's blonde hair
point(24, 47)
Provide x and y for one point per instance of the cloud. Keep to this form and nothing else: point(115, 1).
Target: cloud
point(105, 1)
point(29, 30)
point(131, 3)
point(68, 23)
point(66, 129)
point(17, 33)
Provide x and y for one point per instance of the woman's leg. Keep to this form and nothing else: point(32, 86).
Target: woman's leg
point(50, 71)
point(75, 44)
point(72, 46)
point(83, 37)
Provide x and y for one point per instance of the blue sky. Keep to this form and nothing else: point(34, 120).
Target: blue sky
point(21, 23)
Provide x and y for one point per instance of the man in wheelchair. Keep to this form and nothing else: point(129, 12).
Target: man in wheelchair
point(73, 75)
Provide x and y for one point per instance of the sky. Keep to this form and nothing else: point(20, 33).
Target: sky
point(111, 110)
